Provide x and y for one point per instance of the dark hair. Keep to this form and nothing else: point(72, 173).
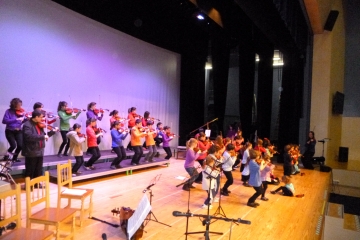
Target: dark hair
point(237, 138)
point(115, 124)
point(131, 109)
point(90, 120)
point(89, 106)
point(201, 134)
point(114, 112)
point(266, 143)
point(76, 126)
point(37, 105)
point(166, 127)
point(158, 124)
point(213, 149)
point(61, 104)
point(146, 114)
point(149, 122)
point(287, 148)
point(312, 134)
point(230, 147)
point(36, 113)
point(14, 102)
point(137, 121)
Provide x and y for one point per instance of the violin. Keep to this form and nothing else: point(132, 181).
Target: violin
point(172, 135)
point(137, 116)
point(70, 111)
point(22, 113)
point(144, 129)
point(49, 127)
point(98, 130)
point(51, 115)
point(100, 110)
point(81, 135)
point(123, 130)
point(153, 119)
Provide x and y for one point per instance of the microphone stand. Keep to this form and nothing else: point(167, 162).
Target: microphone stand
point(207, 220)
point(215, 119)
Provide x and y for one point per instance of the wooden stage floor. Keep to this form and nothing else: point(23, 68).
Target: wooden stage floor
point(279, 218)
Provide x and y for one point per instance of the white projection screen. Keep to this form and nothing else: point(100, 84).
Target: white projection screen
point(49, 54)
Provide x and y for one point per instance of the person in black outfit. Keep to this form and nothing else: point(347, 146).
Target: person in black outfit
point(309, 151)
point(287, 161)
point(34, 145)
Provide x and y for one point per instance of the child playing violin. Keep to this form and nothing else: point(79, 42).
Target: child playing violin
point(191, 155)
point(150, 142)
point(227, 166)
point(114, 117)
point(92, 114)
point(256, 165)
point(76, 140)
point(136, 135)
point(117, 146)
point(210, 173)
point(65, 126)
point(167, 137)
point(131, 123)
point(203, 146)
point(295, 155)
point(13, 118)
point(39, 106)
point(93, 147)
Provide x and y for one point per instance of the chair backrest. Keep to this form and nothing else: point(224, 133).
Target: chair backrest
point(10, 205)
point(36, 195)
point(64, 175)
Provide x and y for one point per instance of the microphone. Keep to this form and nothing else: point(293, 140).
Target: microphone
point(181, 214)
point(148, 187)
point(104, 237)
point(243, 221)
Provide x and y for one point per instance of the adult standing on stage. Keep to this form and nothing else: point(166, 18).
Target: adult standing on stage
point(13, 132)
point(34, 145)
point(309, 151)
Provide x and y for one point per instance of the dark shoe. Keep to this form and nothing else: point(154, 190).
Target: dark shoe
point(198, 182)
point(252, 205)
point(186, 187)
point(59, 155)
point(272, 192)
point(65, 154)
point(264, 199)
point(112, 167)
point(16, 160)
point(78, 173)
point(134, 164)
point(191, 186)
point(157, 154)
point(118, 166)
point(88, 154)
point(228, 191)
point(146, 161)
point(257, 204)
point(92, 168)
point(224, 193)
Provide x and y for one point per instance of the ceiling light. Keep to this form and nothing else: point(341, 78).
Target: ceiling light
point(200, 16)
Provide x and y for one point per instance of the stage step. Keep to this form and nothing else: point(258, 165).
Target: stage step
point(103, 169)
point(339, 225)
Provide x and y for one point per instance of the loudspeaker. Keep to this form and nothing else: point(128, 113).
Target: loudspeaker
point(324, 168)
point(330, 22)
point(343, 154)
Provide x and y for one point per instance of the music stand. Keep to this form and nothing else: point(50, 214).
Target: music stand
point(151, 213)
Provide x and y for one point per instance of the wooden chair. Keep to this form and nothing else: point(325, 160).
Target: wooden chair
point(36, 195)
point(11, 210)
point(64, 177)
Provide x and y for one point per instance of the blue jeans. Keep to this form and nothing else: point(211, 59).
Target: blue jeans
point(193, 174)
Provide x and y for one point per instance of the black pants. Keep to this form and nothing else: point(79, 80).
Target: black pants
point(158, 141)
point(95, 152)
point(237, 161)
point(199, 178)
point(65, 143)
point(77, 165)
point(265, 186)
point(285, 191)
point(15, 139)
point(121, 155)
point(287, 170)
point(33, 167)
point(229, 181)
point(138, 153)
point(129, 147)
point(258, 192)
point(168, 152)
point(307, 159)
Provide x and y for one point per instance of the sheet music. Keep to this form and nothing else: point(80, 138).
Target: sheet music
point(139, 216)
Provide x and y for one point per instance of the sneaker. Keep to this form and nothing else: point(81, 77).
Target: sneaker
point(246, 184)
point(74, 175)
point(272, 192)
point(216, 199)
point(198, 182)
point(204, 206)
point(224, 193)
point(59, 155)
point(92, 167)
point(146, 161)
point(78, 173)
point(118, 166)
point(65, 155)
point(257, 204)
point(134, 164)
point(87, 168)
point(264, 199)
point(112, 167)
point(252, 205)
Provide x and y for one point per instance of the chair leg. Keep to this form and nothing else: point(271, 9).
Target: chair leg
point(69, 203)
point(57, 232)
point(73, 227)
point(90, 206)
point(82, 212)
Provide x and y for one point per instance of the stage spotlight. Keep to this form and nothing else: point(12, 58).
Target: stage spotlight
point(200, 16)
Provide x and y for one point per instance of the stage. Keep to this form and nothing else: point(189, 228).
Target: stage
point(279, 218)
